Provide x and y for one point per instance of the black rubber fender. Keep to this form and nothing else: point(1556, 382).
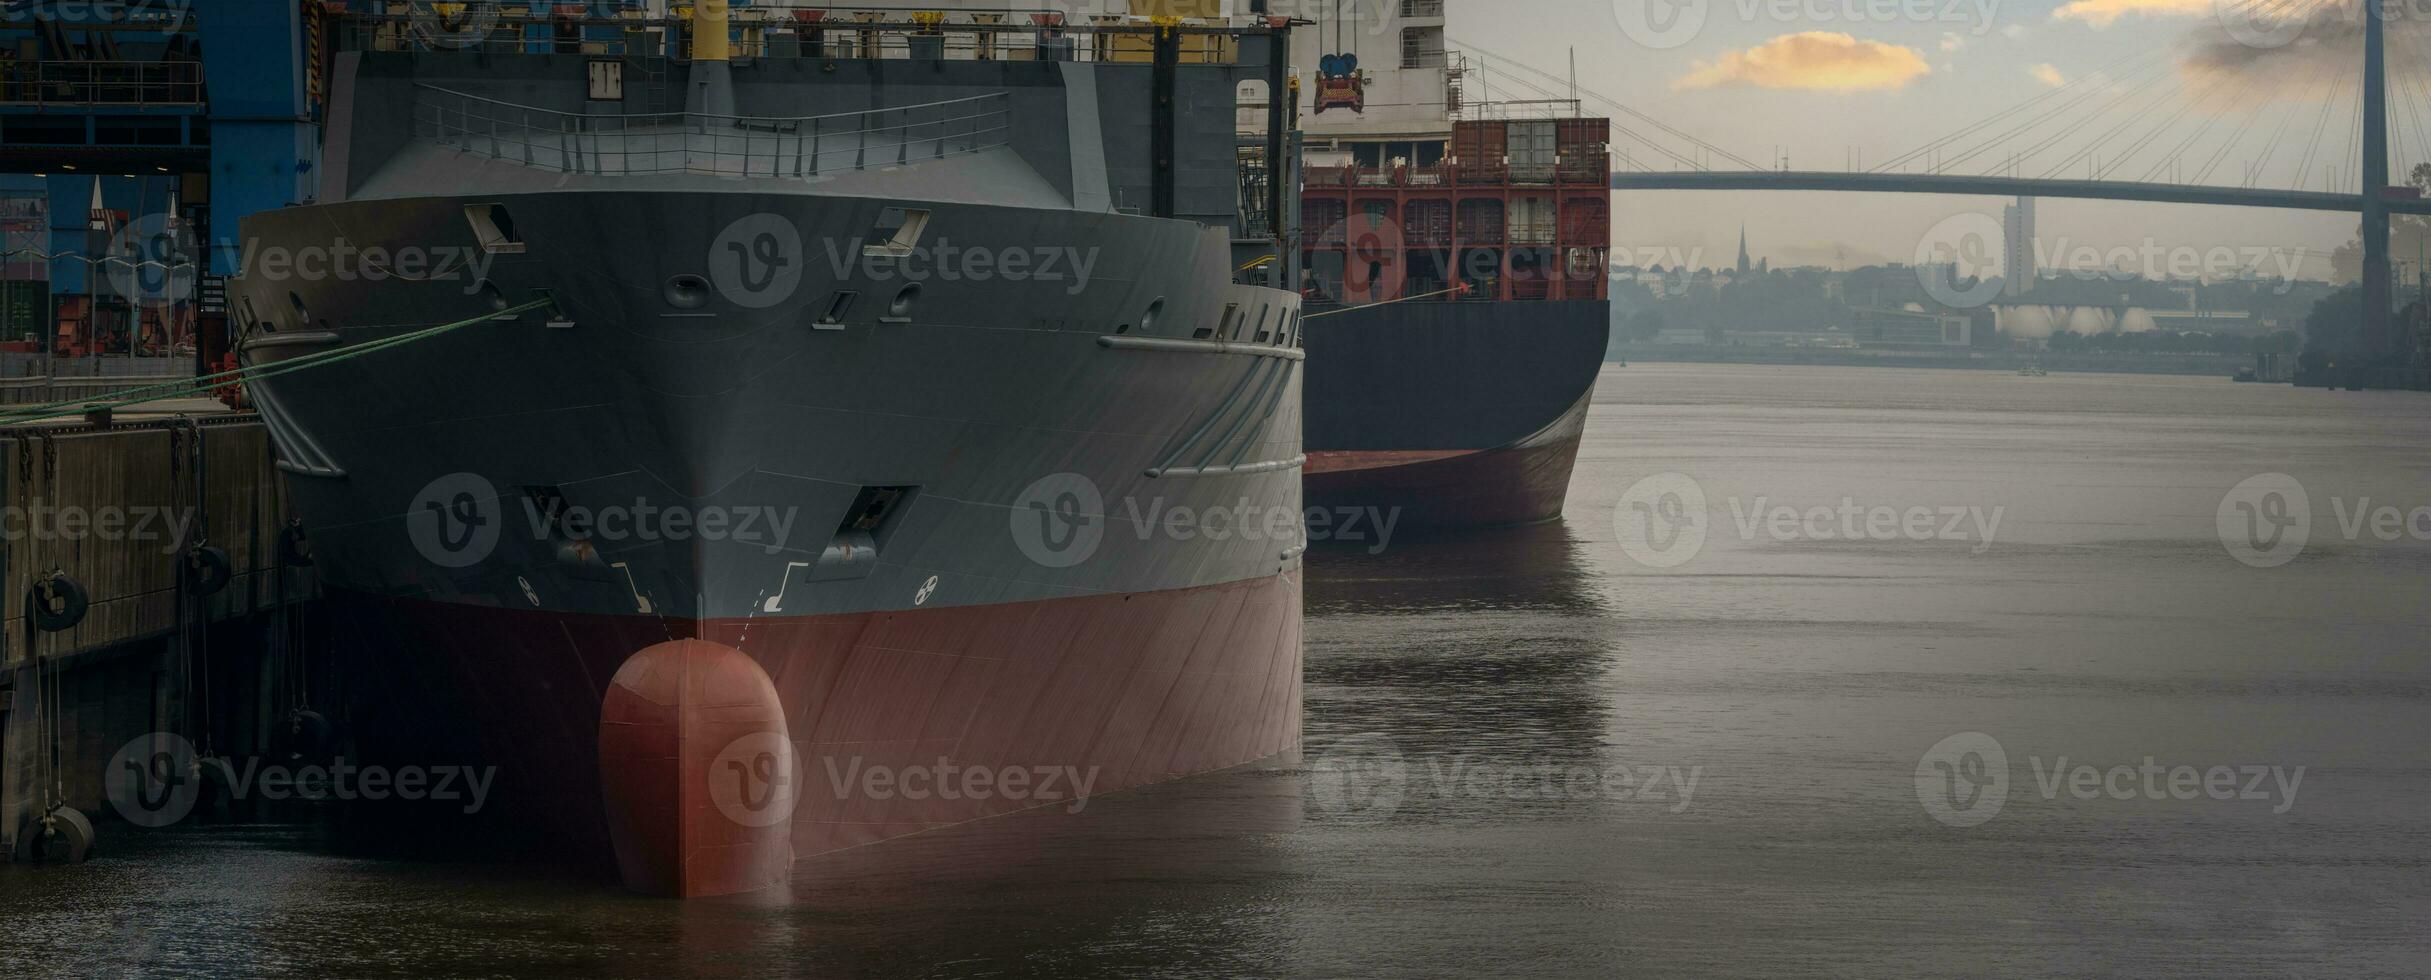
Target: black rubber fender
point(295, 547)
point(59, 602)
point(309, 736)
point(208, 570)
point(66, 837)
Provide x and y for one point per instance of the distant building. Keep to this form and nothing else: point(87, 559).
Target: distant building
point(2017, 253)
point(1903, 328)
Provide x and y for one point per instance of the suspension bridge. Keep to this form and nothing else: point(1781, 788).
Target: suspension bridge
point(2134, 131)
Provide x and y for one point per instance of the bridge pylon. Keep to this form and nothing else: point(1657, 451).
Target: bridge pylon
point(2377, 336)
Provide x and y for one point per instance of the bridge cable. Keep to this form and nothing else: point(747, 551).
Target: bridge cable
point(1624, 130)
point(2185, 109)
point(2179, 151)
point(2161, 97)
point(2412, 86)
point(2106, 71)
point(2323, 75)
point(2321, 126)
point(2236, 136)
point(2130, 87)
point(1489, 68)
point(2354, 151)
point(1616, 104)
point(1623, 107)
point(2408, 103)
point(2126, 64)
point(2218, 85)
point(2066, 109)
point(2235, 139)
point(2270, 148)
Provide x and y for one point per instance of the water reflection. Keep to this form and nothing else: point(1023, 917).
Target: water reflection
point(1460, 646)
point(1539, 567)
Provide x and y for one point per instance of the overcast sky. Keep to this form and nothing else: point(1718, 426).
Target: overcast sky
point(1818, 80)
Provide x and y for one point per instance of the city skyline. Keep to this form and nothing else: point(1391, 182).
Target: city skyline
point(1833, 85)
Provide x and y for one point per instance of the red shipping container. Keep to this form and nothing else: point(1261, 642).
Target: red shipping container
point(1480, 147)
point(1428, 223)
point(1481, 221)
point(1321, 221)
point(1586, 146)
point(1586, 221)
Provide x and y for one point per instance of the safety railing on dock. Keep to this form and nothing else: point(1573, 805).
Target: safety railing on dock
point(36, 378)
point(697, 143)
point(626, 28)
point(1590, 170)
point(90, 83)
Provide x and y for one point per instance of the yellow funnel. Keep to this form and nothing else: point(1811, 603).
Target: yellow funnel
point(709, 35)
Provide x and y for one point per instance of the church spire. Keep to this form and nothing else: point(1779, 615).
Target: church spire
point(1744, 265)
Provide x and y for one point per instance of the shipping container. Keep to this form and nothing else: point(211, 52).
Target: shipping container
point(1586, 135)
point(1586, 146)
point(25, 310)
point(1374, 225)
point(1534, 149)
point(1322, 220)
point(1533, 221)
point(1481, 221)
point(1428, 222)
point(1481, 148)
point(1586, 221)
point(1372, 213)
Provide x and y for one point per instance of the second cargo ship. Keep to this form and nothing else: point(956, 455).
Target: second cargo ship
point(1457, 269)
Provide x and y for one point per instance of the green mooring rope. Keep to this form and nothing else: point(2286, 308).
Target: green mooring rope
point(202, 385)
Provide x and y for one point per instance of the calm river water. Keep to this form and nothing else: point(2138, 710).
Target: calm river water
point(1945, 674)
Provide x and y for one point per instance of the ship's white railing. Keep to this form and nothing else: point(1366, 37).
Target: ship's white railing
point(697, 143)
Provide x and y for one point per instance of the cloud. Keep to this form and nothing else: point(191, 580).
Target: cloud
point(1815, 61)
point(2048, 75)
point(2320, 43)
point(1951, 43)
point(2103, 13)
point(2016, 32)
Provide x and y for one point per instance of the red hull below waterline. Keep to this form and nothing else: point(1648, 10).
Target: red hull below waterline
point(669, 739)
point(1447, 490)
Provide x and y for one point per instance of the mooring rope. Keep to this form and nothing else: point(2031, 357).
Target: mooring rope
point(1389, 302)
point(203, 384)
